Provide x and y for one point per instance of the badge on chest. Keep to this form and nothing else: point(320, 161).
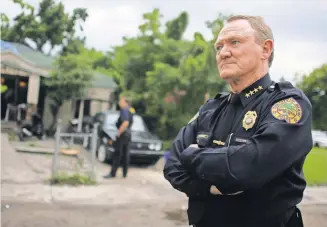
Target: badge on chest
point(249, 120)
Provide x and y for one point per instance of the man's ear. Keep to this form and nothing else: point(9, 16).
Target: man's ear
point(267, 48)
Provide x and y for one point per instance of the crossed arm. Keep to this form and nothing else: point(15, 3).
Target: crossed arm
point(273, 148)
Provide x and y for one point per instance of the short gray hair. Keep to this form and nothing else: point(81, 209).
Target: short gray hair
point(263, 31)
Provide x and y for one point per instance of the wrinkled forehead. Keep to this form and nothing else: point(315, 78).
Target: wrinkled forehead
point(239, 28)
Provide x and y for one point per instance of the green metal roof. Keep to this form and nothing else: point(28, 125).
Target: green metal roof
point(35, 57)
point(43, 61)
point(103, 81)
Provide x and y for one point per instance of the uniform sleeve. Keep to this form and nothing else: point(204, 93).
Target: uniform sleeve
point(124, 115)
point(176, 174)
point(274, 147)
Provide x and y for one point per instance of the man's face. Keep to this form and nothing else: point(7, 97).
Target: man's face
point(238, 52)
point(122, 102)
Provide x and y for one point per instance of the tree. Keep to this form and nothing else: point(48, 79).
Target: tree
point(314, 86)
point(70, 77)
point(176, 27)
point(163, 72)
point(50, 25)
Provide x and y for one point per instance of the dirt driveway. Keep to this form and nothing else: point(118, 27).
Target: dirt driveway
point(131, 215)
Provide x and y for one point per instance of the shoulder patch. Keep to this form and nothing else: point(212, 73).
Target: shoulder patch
point(288, 110)
point(194, 117)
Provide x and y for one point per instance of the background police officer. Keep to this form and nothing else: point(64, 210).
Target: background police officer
point(123, 138)
point(240, 160)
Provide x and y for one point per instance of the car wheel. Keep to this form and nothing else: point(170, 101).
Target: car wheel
point(317, 145)
point(102, 153)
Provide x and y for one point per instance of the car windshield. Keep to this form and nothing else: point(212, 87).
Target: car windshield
point(138, 123)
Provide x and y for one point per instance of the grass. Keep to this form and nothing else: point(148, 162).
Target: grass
point(315, 167)
point(12, 136)
point(74, 180)
point(167, 144)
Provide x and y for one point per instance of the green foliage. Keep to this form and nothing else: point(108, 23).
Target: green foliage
point(72, 74)
point(176, 28)
point(166, 145)
point(49, 25)
point(166, 75)
point(74, 180)
point(314, 86)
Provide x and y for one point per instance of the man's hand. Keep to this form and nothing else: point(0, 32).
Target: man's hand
point(187, 154)
point(214, 190)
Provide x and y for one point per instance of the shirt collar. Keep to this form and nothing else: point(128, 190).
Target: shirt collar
point(255, 89)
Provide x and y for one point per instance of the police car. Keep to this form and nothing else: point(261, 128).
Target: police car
point(145, 147)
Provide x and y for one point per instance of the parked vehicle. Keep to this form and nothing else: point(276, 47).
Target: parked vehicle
point(145, 147)
point(30, 128)
point(319, 138)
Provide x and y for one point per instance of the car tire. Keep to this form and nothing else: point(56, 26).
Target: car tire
point(317, 145)
point(102, 153)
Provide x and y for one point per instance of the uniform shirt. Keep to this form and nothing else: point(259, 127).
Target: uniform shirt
point(125, 115)
point(252, 147)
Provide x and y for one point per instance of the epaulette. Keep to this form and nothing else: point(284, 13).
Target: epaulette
point(206, 105)
point(212, 102)
point(284, 85)
point(221, 95)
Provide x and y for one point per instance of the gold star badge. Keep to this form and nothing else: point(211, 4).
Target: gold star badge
point(247, 95)
point(256, 90)
point(251, 92)
point(260, 87)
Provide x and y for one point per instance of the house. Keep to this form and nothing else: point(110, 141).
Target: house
point(22, 71)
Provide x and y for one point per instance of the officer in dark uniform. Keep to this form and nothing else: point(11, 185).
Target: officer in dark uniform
point(123, 124)
point(240, 159)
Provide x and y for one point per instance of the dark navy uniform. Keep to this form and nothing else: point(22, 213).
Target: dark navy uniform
point(252, 147)
point(122, 143)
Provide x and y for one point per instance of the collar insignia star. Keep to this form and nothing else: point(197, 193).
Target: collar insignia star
point(254, 91)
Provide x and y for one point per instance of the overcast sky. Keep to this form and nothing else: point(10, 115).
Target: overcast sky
point(299, 26)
